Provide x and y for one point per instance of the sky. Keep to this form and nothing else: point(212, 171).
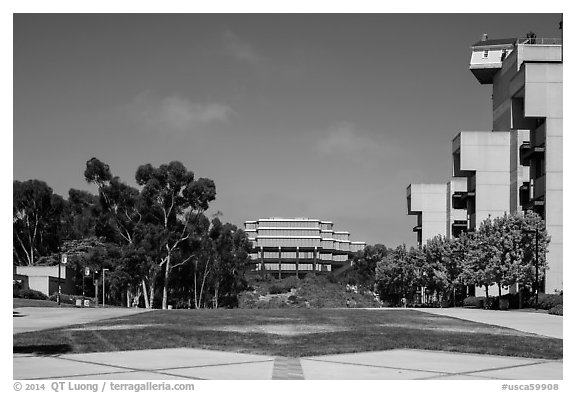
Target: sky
point(327, 116)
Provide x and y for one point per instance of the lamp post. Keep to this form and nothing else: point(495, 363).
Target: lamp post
point(63, 260)
point(535, 231)
point(104, 287)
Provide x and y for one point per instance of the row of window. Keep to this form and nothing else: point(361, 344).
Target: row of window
point(289, 224)
point(341, 236)
point(292, 267)
point(295, 242)
point(288, 232)
point(303, 255)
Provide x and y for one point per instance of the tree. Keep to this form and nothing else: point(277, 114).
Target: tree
point(174, 201)
point(122, 202)
point(36, 221)
point(484, 259)
point(81, 216)
point(437, 259)
point(231, 248)
point(121, 217)
point(528, 243)
point(364, 263)
point(396, 274)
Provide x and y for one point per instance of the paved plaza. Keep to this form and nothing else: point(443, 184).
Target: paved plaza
point(189, 363)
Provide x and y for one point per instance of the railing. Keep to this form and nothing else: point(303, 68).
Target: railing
point(539, 41)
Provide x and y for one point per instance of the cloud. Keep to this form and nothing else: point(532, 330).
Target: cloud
point(176, 113)
point(241, 49)
point(345, 139)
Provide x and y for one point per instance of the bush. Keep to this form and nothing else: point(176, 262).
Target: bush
point(546, 301)
point(557, 310)
point(276, 289)
point(474, 302)
point(32, 294)
point(70, 299)
point(492, 303)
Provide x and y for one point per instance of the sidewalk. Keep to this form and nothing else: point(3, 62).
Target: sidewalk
point(188, 363)
point(530, 322)
point(30, 319)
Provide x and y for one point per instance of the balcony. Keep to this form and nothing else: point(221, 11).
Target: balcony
point(528, 153)
point(524, 193)
point(462, 196)
point(539, 188)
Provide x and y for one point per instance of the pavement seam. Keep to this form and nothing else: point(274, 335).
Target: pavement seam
point(161, 369)
point(372, 365)
point(287, 368)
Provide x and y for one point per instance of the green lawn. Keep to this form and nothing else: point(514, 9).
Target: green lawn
point(289, 332)
point(19, 302)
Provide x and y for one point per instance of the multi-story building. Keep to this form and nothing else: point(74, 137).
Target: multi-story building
point(436, 213)
point(518, 165)
point(527, 95)
point(297, 246)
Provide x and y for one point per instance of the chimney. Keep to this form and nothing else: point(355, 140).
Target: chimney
point(484, 37)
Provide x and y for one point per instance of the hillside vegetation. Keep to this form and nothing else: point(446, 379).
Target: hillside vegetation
point(310, 292)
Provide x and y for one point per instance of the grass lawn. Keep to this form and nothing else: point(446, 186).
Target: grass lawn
point(19, 302)
point(289, 332)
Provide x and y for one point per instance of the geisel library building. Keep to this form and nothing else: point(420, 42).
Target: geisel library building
point(515, 167)
point(299, 246)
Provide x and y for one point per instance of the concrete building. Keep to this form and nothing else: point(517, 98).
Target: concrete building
point(437, 213)
point(428, 203)
point(457, 218)
point(516, 166)
point(527, 95)
point(297, 246)
point(45, 278)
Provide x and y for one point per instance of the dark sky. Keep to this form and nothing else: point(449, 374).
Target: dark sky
point(328, 116)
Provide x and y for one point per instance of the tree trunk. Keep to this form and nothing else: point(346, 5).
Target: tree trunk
point(96, 291)
point(165, 289)
point(196, 304)
point(152, 295)
point(206, 271)
point(216, 295)
point(146, 302)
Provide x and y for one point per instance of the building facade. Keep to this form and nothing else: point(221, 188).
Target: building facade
point(298, 246)
point(518, 164)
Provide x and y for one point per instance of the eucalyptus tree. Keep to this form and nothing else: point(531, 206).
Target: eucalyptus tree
point(36, 221)
point(174, 201)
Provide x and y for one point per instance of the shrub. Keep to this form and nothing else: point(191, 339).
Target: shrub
point(557, 310)
point(32, 294)
point(275, 289)
point(474, 302)
point(492, 303)
point(546, 301)
point(70, 299)
point(289, 282)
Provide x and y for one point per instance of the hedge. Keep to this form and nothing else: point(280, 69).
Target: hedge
point(31, 294)
point(557, 310)
point(546, 301)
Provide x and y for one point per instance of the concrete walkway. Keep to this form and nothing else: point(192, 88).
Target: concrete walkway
point(189, 363)
point(531, 322)
point(30, 319)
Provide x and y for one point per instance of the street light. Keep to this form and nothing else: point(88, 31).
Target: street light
point(104, 287)
point(63, 261)
point(535, 231)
